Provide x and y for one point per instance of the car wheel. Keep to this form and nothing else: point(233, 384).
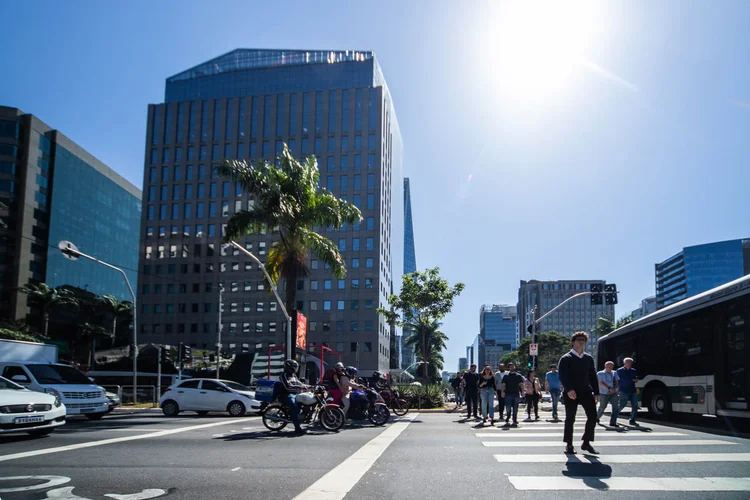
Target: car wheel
point(170, 408)
point(202, 413)
point(236, 409)
point(40, 432)
point(94, 416)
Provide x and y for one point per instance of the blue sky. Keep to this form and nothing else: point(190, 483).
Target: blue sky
point(588, 143)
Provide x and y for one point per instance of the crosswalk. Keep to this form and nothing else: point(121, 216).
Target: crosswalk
point(647, 459)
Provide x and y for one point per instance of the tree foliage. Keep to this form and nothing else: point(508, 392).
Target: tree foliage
point(551, 346)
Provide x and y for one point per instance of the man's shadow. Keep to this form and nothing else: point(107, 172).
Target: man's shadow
point(591, 472)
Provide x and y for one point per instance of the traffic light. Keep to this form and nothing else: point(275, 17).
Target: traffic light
point(610, 294)
point(596, 294)
point(530, 362)
point(530, 329)
point(185, 353)
point(164, 354)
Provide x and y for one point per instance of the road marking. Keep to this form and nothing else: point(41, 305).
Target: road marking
point(636, 442)
point(673, 458)
point(46, 451)
point(535, 428)
point(50, 482)
point(342, 478)
point(236, 469)
point(631, 483)
point(553, 434)
point(132, 429)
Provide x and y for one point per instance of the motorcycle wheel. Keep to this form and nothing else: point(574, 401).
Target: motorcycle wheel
point(272, 413)
point(399, 407)
point(332, 419)
point(380, 414)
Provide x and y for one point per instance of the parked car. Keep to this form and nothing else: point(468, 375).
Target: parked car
point(114, 400)
point(208, 395)
point(22, 410)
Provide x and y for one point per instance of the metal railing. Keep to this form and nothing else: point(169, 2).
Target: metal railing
point(145, 394)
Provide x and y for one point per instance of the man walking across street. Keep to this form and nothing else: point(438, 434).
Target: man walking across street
point(471, 389)
point(552, 386)
point(578, 376)
point(627, 378)
point(499, 375)
point(608, 392)
point(512, 391)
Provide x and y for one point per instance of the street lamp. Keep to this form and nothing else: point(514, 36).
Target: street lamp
point(289, 346)
point(71, 251)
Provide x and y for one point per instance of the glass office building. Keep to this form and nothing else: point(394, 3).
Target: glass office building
point(408, 356)
point(700, 268)
point(497, 328)
point(333, 105)
point(51, 190)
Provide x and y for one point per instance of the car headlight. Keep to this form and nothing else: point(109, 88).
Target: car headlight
point(58, 397)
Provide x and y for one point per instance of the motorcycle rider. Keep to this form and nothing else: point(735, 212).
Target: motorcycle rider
point(378, 381)
point(347, 384)
point(290, 387)
point(335, 390)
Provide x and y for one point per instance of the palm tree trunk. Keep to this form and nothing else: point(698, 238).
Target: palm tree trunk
point(114, 330)
point(46, 322)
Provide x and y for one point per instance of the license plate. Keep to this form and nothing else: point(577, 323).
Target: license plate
point(28, 420)
point(87, 410)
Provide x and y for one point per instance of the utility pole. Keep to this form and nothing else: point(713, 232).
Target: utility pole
point(221, 325)
point(158, 373)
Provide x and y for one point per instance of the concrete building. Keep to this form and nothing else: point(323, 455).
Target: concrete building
point(247, 104)
point(648, 305)
point(463, 364)
point(577, 314)
point(699, 268)
point(497, 329)
point(51, 189)
point(408, 356)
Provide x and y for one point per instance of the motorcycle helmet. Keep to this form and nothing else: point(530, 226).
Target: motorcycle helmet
point(339, 366)
point(291, 366)
point(351, 372)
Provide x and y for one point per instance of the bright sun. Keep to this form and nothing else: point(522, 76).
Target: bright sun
point(539, 44)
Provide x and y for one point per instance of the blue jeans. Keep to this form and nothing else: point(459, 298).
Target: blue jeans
point(290, 401)
point(511, 403)
point(604, 400)
point(632, 397)
point(488, 402)
point(555, 394)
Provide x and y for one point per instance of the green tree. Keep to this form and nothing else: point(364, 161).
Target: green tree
point(47, 298)
point(88, 333)
point(551, 347)
point(117, 308)
point(425, 298)
point(605, 326)
point(287, 199)
point(435, 340)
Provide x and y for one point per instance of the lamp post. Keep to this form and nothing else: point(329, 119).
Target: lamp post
point(71, 251)
point(289, 346)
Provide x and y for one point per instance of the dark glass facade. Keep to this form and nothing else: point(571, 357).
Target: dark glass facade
point(497, 327)
point(408, 356)
point(699, 268)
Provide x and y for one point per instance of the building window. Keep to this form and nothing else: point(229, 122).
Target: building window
point(326, 305)
point(327, 284)
point(340, 305)
point(355, 263)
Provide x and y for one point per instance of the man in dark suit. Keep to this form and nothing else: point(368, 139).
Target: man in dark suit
point(578, 377)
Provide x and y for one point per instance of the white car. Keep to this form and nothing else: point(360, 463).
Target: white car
point(22, 410)
point(206, 395)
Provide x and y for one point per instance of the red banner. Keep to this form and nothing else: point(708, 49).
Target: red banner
point(301, 331)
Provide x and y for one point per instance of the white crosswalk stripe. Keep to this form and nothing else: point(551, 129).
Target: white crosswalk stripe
point(558, 434)
point(634, 442)
point(668, 458)
point(631, 483)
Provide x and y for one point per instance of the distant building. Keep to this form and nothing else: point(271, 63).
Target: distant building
point(463, 364)
point(700, 268)
point(51, 189)
point(497, 329)
point(576, 315)
point(648, 305)
point(470, 359)
point(478, 350)
point(408, 355)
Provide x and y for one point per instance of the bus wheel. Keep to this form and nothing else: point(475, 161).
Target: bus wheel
point(657, 402)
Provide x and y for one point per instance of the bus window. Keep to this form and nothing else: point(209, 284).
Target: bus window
point(736, 376)
point(692, 344)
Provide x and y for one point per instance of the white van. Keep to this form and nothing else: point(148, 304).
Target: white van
point(79, 395)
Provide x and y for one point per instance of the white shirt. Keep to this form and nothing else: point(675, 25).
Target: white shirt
point(576, 353)
point(499, 378)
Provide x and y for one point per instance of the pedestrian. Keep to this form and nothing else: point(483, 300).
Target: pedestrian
point(552, 386)
point(456, 385)
point(533, 390)
point(512, 391)
point(499, 374)
point(607, 392)
point(471, 390)
point(487, 388)
point(626, 379)
point(578, 376)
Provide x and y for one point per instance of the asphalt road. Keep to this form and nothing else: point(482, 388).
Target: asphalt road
point(436, 455)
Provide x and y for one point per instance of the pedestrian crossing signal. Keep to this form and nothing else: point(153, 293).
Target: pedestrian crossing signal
point(596, 294)
point(530, 362)
point(610, 294)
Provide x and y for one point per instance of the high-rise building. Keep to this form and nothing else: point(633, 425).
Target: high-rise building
point(246, 104)
point(477, 348)
point(648, 305)
point(408, 355)
point(699, 268)
point(463, 364)
point(53, 190)
point(470, 355)
point(540, 297)
point(497, 328)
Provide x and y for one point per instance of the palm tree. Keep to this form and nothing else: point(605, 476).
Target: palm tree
point(605, 326)
point(89, 333)
point(116, 308)
point(47, 297)
point(288, 199)
point(426, 333)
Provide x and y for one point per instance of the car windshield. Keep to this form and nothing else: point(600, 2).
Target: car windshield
point(235, 386)
point(8, 385)
point(55, 374)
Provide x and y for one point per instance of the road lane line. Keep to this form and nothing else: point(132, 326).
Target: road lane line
point(630, 483)
point(670, 458)
point(553, 434)
point(635, 442)
point(342, 478)
point(46, 451)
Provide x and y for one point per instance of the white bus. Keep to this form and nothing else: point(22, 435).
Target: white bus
point(691, 356)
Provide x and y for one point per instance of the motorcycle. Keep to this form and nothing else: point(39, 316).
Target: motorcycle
point(368, 405)
point(392, 399)
point(312, 405)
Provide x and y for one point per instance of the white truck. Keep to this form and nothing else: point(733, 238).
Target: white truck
point(35, 367)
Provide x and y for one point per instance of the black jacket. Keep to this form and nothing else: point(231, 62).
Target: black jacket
point(485, 383)
point(578, 374)
point(472, 382)
point(290, 384)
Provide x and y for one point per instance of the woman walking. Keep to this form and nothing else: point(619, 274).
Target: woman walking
point(533, 389)
point(487, 389)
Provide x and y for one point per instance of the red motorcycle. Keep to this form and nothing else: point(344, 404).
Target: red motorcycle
point(393, 400)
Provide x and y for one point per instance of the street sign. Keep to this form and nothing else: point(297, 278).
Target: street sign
point(533, 349)
point(68, 249)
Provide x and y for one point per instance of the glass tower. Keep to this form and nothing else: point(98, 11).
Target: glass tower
point(408, 356)
point(497, 326)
